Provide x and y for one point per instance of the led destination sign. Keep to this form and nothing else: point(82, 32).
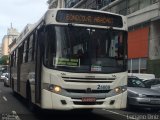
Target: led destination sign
point(87, 17)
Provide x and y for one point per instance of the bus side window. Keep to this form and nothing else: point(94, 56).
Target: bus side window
point(14, 58)
point(31, 48)
point(21, 50)
point(16, 61)
point(11, 60)
point(25, 53)
point(50, 48)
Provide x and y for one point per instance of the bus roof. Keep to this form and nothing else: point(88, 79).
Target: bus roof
point(50, 18)
point(85, 18)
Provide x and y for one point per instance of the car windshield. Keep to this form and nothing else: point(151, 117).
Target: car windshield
point(135, 82)
point(82, 49)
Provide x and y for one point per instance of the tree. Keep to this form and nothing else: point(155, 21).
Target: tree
point(4, 60)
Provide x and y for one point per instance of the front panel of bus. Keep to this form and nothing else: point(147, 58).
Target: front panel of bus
point(84, 67)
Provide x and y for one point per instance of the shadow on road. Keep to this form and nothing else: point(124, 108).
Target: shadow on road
point(40, 114)
point(67, 115)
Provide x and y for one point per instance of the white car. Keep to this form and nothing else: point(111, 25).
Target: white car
point(3, 76)
point(6, 80)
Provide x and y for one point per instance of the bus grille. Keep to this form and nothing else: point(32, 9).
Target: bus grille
point(87, 103)
point(88, 80)
point(84, 91)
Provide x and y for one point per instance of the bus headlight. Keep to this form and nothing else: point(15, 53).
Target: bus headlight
point(54, 88)
point(120, 89)
point(57, 89)
point(117, 90)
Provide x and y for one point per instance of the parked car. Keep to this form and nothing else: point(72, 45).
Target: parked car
point(153, 84)
point(3, 76)
point(6, 80)
point(140, 95)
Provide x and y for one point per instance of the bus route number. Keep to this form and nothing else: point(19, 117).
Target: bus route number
point(103, 87)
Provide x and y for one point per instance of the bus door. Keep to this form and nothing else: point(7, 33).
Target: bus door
point(19, 62)
point(39, 54)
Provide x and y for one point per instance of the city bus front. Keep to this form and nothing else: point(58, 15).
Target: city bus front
point(84, 67)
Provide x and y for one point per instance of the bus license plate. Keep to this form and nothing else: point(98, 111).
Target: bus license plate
point(88, 99)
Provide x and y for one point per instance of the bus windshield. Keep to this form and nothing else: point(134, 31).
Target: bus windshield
point(82, 49)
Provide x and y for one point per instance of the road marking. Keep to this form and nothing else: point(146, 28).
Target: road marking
point(120, 114)
point(15, 114)
point(12, 116)
point(4, 98)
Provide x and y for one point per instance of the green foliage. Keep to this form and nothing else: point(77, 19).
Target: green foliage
point(4, 60)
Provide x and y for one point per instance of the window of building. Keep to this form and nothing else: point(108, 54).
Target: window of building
point(154, 1)
point(122, 7)
point(71, 3)
point(133, 5)
point(138, 64)
point(99, 4)
point(144, 3)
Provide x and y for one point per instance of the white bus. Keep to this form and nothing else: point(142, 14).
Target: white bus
point(72, 59)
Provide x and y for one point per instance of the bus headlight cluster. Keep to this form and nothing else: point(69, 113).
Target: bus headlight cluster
point(120, 89)
point(57, 89)
point(117, 90)
point(54, 88)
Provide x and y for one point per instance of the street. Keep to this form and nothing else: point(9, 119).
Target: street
point(80, 54)
point(14, 108)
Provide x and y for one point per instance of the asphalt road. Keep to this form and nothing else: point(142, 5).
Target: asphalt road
point(14, 108)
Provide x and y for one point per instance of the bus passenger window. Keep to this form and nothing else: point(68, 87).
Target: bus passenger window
point(49, 52)
point(25, 53)
point(31, 48)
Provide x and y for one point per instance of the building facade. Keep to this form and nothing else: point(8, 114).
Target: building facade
point(88, 4)
point(12, 33)
point(144, 29)
point(0, 50)
point(16, 40)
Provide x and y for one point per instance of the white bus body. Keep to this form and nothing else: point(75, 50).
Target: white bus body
point(58, 63)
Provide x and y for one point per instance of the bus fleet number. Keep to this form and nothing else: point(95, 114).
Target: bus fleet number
point(103, 87)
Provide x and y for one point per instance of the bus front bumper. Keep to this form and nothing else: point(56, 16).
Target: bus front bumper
point(55, 101)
